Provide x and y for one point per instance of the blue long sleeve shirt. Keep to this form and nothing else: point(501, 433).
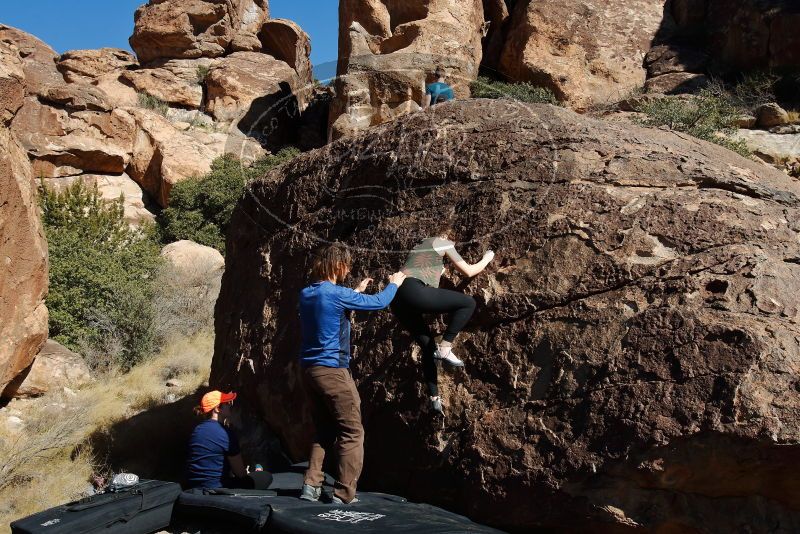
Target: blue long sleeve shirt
point(326, 327)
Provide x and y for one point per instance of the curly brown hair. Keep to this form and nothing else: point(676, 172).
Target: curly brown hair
point(331, 263)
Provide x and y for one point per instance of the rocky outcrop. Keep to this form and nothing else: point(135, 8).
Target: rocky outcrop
point(88, 65)
point(286, 41)
point(170, 29)
point(23, 254)
point(38, 61)
point(56, 367)
point(631, 365)
point(389, 49)
point(162, 156)
point(586, 52)
point(740, 35)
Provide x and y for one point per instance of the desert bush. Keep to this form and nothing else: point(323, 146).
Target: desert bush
point(708, 116)
point(200, 209)
point(148, 101)
point(101, 277)
point(485, 87)
point(202, 72)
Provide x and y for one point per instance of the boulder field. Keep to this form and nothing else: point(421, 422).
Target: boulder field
point(632, 365)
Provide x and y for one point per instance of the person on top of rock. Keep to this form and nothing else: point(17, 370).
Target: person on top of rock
point(215, 460)
point(438, 91)
point(325, 361)
point(420, 294)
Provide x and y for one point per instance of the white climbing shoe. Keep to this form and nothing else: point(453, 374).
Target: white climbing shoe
point(445, 354)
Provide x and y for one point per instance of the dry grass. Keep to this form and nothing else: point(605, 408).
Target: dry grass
point(49, 462)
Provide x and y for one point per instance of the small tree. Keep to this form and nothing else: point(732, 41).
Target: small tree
point(101, 276)
point(200, 209)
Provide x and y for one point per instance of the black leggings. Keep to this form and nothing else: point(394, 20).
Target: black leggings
point(415, 298)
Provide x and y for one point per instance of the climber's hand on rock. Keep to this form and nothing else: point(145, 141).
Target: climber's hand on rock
point(363, 285)
point(397, 278)
point(489, 256)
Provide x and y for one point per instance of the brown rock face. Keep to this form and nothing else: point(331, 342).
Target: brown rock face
point(167, 29)
point(585, 51)
point(23, 254)
point(38, 59)
point(389, 48)
point(743, 34)
point(162, 156)
point(286, 41)
point(87, 65)
point(258, 94)
point(631, 365)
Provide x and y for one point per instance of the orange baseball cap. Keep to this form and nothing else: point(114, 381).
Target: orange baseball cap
point(212, 399)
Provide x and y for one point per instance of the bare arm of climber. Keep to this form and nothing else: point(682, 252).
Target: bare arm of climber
point(447, 248)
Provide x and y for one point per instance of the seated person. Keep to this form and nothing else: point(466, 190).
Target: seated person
point(215, 460)
point(437, 91)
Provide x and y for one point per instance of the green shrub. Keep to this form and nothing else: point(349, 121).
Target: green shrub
point(202, 72)
point(148, 101)
point(485, 87)
point(101, 273)
point(708, 116)
point(200, 209)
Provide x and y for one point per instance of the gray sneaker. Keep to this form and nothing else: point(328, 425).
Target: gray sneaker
point(337, 500)
point(436, 405)
point(310, 493)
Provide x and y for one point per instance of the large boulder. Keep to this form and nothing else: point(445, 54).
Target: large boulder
point(585, 51)
point(260, 95)
point(742, 34)
point(88, 65)
point(12, 83)
point(37, 58)
point(163, 156)
point(55, 367)
point(135, 202)
point(188, 29)
point(631, 365)
point(23, 254)
point(286, 41)
point(388, 50)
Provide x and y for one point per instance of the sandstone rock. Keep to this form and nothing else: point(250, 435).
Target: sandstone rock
point(635, 340)
point(785, 129)
point(777, 149)
point(167, 29)
point(12, 83)
point(286, 41)
point(62, 144)
point(587, 52)
point(163, 156)
point(186, 256)
point(769, 115)
point(117, 93)
point(166, 86)
point(497, 16)
point(75, 97)
point(666, 59)
point(388, 50)
point(256, 93)
point(88, 65)
point(135, 200)
point(234, 142)
point(38, 59)
point(676, 83)
point(55, 367)
point(23, 254)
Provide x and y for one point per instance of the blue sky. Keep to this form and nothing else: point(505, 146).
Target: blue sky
point(76, 24)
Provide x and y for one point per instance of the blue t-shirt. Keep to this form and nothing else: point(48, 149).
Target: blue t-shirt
point(439, 91)
point(326, 327)
point(210, 445)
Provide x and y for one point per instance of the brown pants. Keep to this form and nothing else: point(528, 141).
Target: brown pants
point(336, 411)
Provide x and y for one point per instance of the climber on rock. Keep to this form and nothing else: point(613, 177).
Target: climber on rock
point(438, 91)
point(325, 361)
point(420, 294)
